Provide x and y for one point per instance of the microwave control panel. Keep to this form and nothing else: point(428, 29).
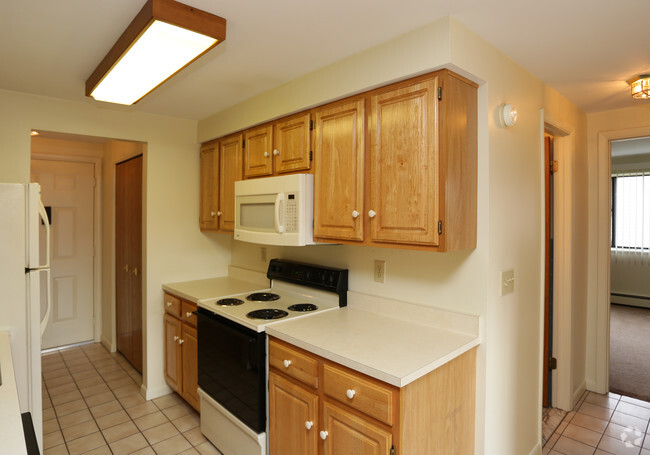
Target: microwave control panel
point(291, 213)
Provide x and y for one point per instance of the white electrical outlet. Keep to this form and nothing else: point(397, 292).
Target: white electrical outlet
point(507, 281)
point(263, 254)
point(380, 271)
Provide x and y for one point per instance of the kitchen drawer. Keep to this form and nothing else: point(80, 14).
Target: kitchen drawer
point(368, 396)
point(173, 305)
point(187, 313)
point(294, 363)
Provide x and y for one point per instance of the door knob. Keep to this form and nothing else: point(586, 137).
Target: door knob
point(372, 214)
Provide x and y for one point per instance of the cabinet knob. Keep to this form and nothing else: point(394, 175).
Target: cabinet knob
point(372, 214)
point(350, 393)
point(219, 213)
point(213, 213)
point(275, 152)
point(135, 271)
point(286, 363)
point(169, 304)
point(309, 424)
point(188, 314)
point(176, 338)
point(266, 154)
point(323, 435)
point(126, 268)
point(355, 214)
point(181, 341)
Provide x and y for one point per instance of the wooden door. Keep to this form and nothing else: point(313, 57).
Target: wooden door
point(173, 357)
point(292, 142)
point(69, 189)
point(339, 171)
point(230, 170)
point(258, 161)
point(209, 196)
point(128, 259)
point(290, 408)
point(190, 367)
point(404, 177)
point(348, 433)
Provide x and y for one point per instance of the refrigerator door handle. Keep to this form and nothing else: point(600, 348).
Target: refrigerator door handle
point(48, 294)
point(43, 213)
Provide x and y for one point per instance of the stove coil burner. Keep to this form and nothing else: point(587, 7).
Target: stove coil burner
point(263, 297)
point(267, 313)
point(229, 302)
point(303, 307)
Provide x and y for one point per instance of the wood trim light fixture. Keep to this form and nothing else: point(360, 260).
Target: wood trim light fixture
point(164, 38)
point(640, 86)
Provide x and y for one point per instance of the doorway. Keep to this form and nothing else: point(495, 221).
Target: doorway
point(128, 259)
point(68, 191)
point(547, 362)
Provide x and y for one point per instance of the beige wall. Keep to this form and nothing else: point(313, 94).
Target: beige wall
point(509, 215)
point(175, 249)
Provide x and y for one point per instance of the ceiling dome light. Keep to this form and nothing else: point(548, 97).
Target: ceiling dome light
point(640, 86)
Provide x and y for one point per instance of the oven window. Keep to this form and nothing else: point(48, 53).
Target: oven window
point(232, 367)
point(257, 216)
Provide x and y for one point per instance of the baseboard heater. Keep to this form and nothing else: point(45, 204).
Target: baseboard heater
point(630, 299)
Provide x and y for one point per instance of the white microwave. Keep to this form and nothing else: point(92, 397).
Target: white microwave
point(275, 210)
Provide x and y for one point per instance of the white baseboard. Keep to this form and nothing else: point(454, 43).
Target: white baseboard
point(630, 300)
point(110, 347)
point(537, 450)
point(577, 393)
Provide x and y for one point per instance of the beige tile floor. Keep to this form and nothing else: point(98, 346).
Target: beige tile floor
point(92, 405)
point(603, 425)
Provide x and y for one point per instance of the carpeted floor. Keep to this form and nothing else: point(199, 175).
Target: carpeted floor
point(629, 351)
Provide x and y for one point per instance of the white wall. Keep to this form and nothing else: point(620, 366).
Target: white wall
point(175, 249)
point(509, 216)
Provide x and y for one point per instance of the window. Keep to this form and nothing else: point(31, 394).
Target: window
point(631, 211)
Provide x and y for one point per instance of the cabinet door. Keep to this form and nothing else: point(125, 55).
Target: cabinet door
point(258, 160)
point(348, 433)
point(230, 170)
point(208, 220)
point(291, 408)
point(404, 157)
point(189, 347)
point(339, 170)
point(292, 145)
point(173, 353)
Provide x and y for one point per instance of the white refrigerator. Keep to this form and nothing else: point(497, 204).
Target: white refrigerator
point(25, 289)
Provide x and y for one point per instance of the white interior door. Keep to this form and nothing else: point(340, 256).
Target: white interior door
point(68, 188)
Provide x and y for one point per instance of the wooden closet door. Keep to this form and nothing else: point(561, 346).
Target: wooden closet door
point(128, 259)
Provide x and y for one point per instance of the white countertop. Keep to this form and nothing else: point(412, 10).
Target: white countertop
point(238, 282)
point(395, 342)
point(12, 438)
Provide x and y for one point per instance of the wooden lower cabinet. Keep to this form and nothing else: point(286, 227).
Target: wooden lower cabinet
point(331, 409)
point(181, 349)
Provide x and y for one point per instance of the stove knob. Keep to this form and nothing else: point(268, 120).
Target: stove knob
point(287, 363)
point(323, 435)
point(309, 424)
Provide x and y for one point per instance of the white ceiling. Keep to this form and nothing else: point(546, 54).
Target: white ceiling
point(585, 50)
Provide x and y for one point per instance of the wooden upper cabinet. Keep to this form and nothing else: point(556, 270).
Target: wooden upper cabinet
point(258, 160)
point(404, 168)
point(209, 187)
point(339, 149)
point(292, 144)
point(230, 170)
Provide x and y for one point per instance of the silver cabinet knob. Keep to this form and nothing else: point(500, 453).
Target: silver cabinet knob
point(372, 214)
point(355, 214)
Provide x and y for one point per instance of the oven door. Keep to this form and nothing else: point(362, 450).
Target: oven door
point(232, 367)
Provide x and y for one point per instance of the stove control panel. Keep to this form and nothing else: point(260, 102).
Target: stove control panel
point(314, 276)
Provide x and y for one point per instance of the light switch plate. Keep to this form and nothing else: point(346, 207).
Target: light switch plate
point(507, 281)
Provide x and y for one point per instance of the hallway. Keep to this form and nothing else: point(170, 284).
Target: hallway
point(92, 406)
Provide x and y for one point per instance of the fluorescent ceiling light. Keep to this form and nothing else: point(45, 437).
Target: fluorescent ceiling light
point(163, 38)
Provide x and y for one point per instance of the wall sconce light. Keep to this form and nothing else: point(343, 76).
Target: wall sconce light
point(507, 115)
point(640, 86)
point(162, 39)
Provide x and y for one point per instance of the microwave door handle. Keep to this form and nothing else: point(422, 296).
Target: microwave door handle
point(279, 212)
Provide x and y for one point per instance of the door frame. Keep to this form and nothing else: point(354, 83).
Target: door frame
point(563, 147)
point(598, 320)
point(97, 229)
